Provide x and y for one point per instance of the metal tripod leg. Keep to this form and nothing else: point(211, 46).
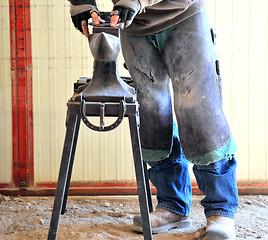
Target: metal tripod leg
point(142, 183)
point(76, 131)
point(72, 130)
point(148, 187)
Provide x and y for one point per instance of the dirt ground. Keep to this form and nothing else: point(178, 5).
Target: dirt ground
point(109, 217)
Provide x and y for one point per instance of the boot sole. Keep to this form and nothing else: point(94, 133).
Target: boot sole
point(218, 235)
point(169, 226)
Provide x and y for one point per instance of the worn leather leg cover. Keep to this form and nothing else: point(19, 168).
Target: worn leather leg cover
point(190, 58)
point(152, 84)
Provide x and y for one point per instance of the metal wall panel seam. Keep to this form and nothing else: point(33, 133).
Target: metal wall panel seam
point(235, 78)
point(37, 91)
point(43, 83)
point(249, 92)
point(243, 66)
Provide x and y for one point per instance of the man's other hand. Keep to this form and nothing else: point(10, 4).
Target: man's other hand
point(124, 12)
point(81, 14)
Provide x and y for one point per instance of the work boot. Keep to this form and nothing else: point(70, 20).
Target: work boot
point(219, 228)
point(162, 220)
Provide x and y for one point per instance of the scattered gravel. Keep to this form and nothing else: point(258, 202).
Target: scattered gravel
point(111, 217)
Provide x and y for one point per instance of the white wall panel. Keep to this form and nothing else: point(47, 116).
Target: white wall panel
point(5, 96)
point(242, 44)
point(61, 55)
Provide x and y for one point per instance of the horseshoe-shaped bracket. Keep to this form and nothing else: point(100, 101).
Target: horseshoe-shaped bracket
point(102, 128)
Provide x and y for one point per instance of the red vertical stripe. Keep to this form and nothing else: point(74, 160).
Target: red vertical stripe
point(22, 115)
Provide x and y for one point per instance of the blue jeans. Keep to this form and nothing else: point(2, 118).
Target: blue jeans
point(217, 181)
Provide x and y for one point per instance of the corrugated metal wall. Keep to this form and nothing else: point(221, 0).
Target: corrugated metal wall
point(242, 27)
point(61, 55)
point(5, 97)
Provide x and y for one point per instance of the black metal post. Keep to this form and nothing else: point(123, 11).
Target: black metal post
point(67, 154)
point(77, 126)
point(140, 175)
point(148, 187)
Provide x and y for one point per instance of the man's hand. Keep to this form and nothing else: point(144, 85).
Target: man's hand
point(124, 12)
point(80, 15)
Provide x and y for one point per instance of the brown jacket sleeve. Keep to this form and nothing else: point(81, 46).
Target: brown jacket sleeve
point(182, 4)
